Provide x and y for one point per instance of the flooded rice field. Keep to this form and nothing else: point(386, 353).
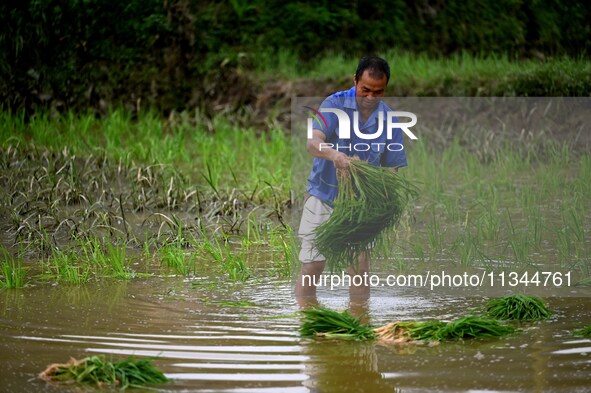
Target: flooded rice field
point(189, 263)
point(209, 336)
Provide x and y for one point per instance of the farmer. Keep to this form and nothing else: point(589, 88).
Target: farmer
point(332, 152)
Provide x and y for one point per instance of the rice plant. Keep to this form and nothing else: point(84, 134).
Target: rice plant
point(176, 258)
point(96, 371)
point(328, 323)
point(517, 307)
point(325, 322)
point(370, 200)
point(11, 267)
point(465, 327)
point(66, 266)
point(285, 257)
point(585, 332)
point(236, 267)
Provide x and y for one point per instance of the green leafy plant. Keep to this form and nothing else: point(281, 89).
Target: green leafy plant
point(517, 307)
point(95, 370)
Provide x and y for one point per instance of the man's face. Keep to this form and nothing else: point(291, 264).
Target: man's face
point(369, 90)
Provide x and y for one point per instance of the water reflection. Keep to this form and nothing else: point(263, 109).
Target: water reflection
point(206, 343)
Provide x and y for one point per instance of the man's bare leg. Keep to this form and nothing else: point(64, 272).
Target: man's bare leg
point(305, 290)
point(360, 291)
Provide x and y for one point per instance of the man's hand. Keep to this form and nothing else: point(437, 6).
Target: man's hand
point(340, 160)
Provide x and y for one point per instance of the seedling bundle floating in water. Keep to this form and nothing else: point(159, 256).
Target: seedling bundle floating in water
point(95, 370)
point(370, 200)
point(324, 322)
point(585, 332)
point(518, 307)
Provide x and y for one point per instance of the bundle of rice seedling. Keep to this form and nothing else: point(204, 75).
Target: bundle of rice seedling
point(325, 322)
point(473, 327)
point(518, 307)
point(370, 200)
point(585, 332)
point(464, 327)
point(405, 331)
point(95, 370)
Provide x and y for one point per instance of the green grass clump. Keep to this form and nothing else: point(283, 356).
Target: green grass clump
point(322, 321)
point(370, 200)
point(585, 332)
point(12, 272)
point(518, 307)
point(95, 370)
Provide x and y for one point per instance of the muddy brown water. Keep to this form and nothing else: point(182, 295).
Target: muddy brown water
point(210, 336)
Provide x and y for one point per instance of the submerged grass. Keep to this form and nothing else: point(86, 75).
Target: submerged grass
point(585, 332)
point(96, 371)
point(518, 307)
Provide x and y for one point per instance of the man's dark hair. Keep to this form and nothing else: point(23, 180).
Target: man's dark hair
point(376, 66)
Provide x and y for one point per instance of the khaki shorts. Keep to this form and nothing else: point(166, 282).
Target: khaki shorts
point(315, 213)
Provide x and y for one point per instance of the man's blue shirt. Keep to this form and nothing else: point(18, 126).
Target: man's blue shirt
point(322, 181)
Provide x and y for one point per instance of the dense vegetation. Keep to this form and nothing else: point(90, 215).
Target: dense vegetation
point(181, 54)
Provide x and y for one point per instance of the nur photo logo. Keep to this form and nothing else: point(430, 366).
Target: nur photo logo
point(387, 122)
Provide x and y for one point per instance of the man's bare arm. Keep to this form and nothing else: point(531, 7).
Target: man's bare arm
point(340, 160)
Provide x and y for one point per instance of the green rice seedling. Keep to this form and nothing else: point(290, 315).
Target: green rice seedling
point(451, 206)
point(96, 371)
point(488, 222)
point(370, 200)
point(463, 328)
point(434, 235)
point(517, 307)
point(116, 257)
point(283, 242)
point(147, 252)
point(176, 258)
point(67, 267)
point(564, 244)
point(535, 225)
point(419, 252)
point(465, 247)
point(13, 273)
point(254, 233)
point(236, 267)
point(325, 322)
point(585, 332)
point(473, 327)
point(519, 243)
point(585, 282)
point(228, 262)
point(574, 220)
point(92, 249)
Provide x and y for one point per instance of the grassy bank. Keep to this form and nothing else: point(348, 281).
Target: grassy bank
point(456, 75)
